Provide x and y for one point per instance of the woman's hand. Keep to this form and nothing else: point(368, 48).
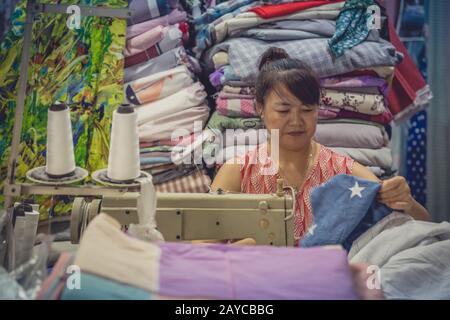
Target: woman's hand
point(396, 194)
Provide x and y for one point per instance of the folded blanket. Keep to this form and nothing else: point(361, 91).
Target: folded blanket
point(236, 108)
point(175, 124)
point(147, 10)
point(171, 39)
point(369, 157)
point(158, 86)
point(343, 208)
point(222, 123)
point(355, 82)
point(357, 102)
point(173, 17)
point(198, 182)
point(351, 135)
point(167, 142)
point(278, 10)
point(385, 118)
point(248, 20)
point(189, 97)
point(239, 90)
point(244, 54)
point(227, 95)
point(178, 172)
point(164, 62)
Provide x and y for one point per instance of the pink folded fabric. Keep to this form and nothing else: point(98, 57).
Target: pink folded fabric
point(227, 95)
point(328, 113)
point(236, 108)
point(145, 40)
point(174, 17)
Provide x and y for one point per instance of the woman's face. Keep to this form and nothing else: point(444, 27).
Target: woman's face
point(295, 121)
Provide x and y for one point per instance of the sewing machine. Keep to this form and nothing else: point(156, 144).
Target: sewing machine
point(268, 219)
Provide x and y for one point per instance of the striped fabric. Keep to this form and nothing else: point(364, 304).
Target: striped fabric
point(198, 182)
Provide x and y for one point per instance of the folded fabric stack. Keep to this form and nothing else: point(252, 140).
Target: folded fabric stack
point(161, 82)
point(355, 64)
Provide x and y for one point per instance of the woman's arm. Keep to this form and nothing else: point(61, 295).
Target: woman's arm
point(395, 193)
point(228, 178)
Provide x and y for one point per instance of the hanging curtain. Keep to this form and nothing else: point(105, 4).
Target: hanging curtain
point(438, 168)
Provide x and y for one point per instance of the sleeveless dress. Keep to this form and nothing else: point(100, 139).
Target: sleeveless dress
point(256, 179)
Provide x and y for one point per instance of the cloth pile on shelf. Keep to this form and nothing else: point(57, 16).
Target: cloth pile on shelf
point(161, 82)
point(355, 64)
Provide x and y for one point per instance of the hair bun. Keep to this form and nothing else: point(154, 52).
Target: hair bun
point(272, 54)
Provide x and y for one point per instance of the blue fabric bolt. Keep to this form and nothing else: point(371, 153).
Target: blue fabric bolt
point(343, 208)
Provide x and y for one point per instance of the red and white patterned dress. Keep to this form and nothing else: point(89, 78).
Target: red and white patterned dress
point(328, 164)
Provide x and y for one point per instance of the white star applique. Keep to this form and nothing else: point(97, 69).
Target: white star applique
point(311, 229)
point(356, 190)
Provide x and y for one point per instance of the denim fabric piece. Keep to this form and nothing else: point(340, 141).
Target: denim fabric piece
point(344, 207)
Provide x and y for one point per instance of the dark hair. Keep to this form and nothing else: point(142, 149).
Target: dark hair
point(276, 67)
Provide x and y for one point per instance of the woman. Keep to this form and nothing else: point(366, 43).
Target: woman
point(287, 99)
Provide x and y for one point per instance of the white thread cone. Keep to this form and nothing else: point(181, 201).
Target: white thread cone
point(123, 162)
point(60, 160)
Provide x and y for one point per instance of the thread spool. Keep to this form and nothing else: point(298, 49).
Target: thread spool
point(60, 159)
point(26, 221)
point(123, 161)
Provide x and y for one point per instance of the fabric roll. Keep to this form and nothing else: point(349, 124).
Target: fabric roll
point(357, 102)
point(197, 182)
point(164, 62)
point(146, 10)
point(158, 86)
point(187, 98)
point(351, 135)
point(170, 40)
point(173, 17)
point(369, 157)
point(163, 128)
point(236, 108)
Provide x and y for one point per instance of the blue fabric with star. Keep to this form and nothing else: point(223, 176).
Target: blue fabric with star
point(343, 208)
